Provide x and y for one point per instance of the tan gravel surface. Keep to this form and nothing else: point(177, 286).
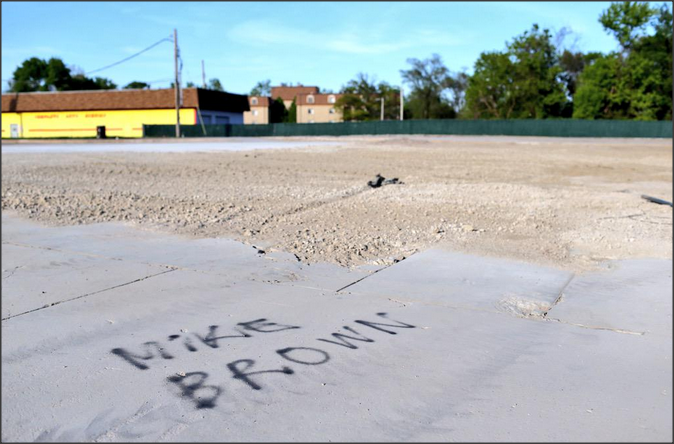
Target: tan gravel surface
point(569, 203)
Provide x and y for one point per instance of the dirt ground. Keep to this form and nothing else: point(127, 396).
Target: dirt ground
point(568, 203)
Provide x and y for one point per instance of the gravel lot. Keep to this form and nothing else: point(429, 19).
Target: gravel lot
point(569, 203)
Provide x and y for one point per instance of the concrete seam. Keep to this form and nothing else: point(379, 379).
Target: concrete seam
point(615, 330)
point(559, 296)
point(89, 294)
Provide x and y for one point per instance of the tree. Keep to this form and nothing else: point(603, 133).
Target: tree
point(30, 76)
point(572, 65)
point(292, 113)
point(137, 85)
point(190, 85)
point(361, 99)
point(215, 84)
point(391, 96)
point(521, 82)
point(37, 74)
point(40, 75)
point(488, 95)
point(457, 85)
point(277, 111)
point(262, 88)
point(636, 82)
point(428, 79)
point(358, 100)
point(626, 21)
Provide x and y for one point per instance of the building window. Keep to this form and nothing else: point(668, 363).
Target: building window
point(310, 99)
point(255, 112)
point(332, 111)
point(253, 101)
point(331, 99)
point(310, 110)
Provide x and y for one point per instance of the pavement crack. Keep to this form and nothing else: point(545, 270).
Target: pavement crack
point(12, 271)
point(615, 330)
point(558, 299)
point(371, 274)
point(89, 294)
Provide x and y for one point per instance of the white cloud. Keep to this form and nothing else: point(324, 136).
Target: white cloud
point(263, 33)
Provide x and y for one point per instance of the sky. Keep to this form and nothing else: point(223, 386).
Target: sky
point(322, 44)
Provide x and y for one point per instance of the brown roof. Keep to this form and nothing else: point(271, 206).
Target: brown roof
point(122, 100)
point(289, 92)
point(319, 99)
point(261, 101)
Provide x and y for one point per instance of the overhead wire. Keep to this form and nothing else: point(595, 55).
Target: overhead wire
point(168, 39)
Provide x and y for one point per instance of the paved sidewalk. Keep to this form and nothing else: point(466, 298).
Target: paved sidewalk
point(111, 333)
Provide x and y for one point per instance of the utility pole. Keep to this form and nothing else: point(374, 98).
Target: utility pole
point(402, 105)
point(203, 74)
point(177, 84)
point(382, 109)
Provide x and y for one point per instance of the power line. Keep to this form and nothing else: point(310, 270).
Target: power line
point(169, 39)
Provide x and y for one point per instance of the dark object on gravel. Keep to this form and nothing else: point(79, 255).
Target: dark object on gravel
point(379, 180)
point(656, 200)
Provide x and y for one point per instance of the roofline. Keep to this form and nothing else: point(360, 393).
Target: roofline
point(10, 93)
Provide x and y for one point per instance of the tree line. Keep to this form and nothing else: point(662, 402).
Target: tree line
point(532, 78)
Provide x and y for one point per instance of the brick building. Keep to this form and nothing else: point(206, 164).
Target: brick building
point(122, 112)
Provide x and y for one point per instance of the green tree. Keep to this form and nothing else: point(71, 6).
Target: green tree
point(262, 88)
point(428, 79)
point(215, 84)
point(292, 113)
point(137, 85)
point(572, 65)
point(627, 21)
point(358, 100)
point(361, 99)
point(37, 74)
point(30, 76)
point(636, 82)
point(391, 96)
point(488, 94)
point(277, 111)
point(40, 75)
point(457, 84)
point(522, 82)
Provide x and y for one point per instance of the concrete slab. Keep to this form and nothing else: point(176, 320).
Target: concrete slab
point(190, 355)
point(634, 295)
point(459, 280)
point(448, 378)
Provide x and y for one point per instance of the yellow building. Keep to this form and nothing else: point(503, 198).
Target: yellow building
point(122, 112)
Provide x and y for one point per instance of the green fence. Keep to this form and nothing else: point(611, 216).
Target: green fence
point(546, 128)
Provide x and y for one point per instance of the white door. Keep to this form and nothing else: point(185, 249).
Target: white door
point(14, 129)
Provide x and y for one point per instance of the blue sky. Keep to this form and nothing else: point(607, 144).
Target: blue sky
point(320, 43)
